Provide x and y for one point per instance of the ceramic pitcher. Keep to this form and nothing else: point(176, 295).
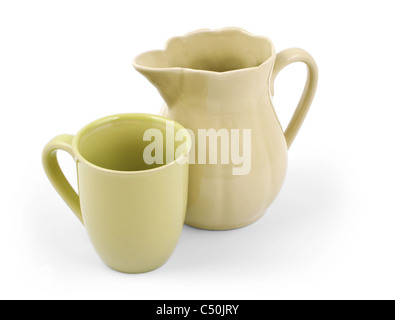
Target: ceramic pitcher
point(223, 80)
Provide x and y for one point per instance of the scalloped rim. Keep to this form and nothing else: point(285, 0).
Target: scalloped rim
point(193, 33)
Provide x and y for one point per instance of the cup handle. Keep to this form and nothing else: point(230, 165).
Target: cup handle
point(55, 174)
point(283, 59)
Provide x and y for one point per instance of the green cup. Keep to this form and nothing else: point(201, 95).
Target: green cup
point(133, 211)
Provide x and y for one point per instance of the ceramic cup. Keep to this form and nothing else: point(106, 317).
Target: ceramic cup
point(133, 212)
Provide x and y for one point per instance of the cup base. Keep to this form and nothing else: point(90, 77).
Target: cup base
point(127, 271)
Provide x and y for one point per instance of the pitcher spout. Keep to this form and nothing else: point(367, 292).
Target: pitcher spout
point(154, 65)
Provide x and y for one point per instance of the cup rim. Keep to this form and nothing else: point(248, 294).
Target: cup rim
point(117, 117)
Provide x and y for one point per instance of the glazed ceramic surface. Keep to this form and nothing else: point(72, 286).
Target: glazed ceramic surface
point(133, 212)
point(224, 79)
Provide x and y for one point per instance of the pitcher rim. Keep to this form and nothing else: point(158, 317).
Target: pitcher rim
point(235, 29)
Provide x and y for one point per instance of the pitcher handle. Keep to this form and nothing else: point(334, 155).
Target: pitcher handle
point(55, 174)
point(283, 59)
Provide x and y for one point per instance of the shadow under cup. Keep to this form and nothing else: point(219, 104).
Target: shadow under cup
point(133, 211)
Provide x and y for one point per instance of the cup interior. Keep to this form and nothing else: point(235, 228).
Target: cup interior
point(117, 143)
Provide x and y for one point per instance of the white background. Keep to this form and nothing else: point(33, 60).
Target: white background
point(329, 235)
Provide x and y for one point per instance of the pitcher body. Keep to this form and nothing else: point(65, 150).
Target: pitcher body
point(218, 84)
